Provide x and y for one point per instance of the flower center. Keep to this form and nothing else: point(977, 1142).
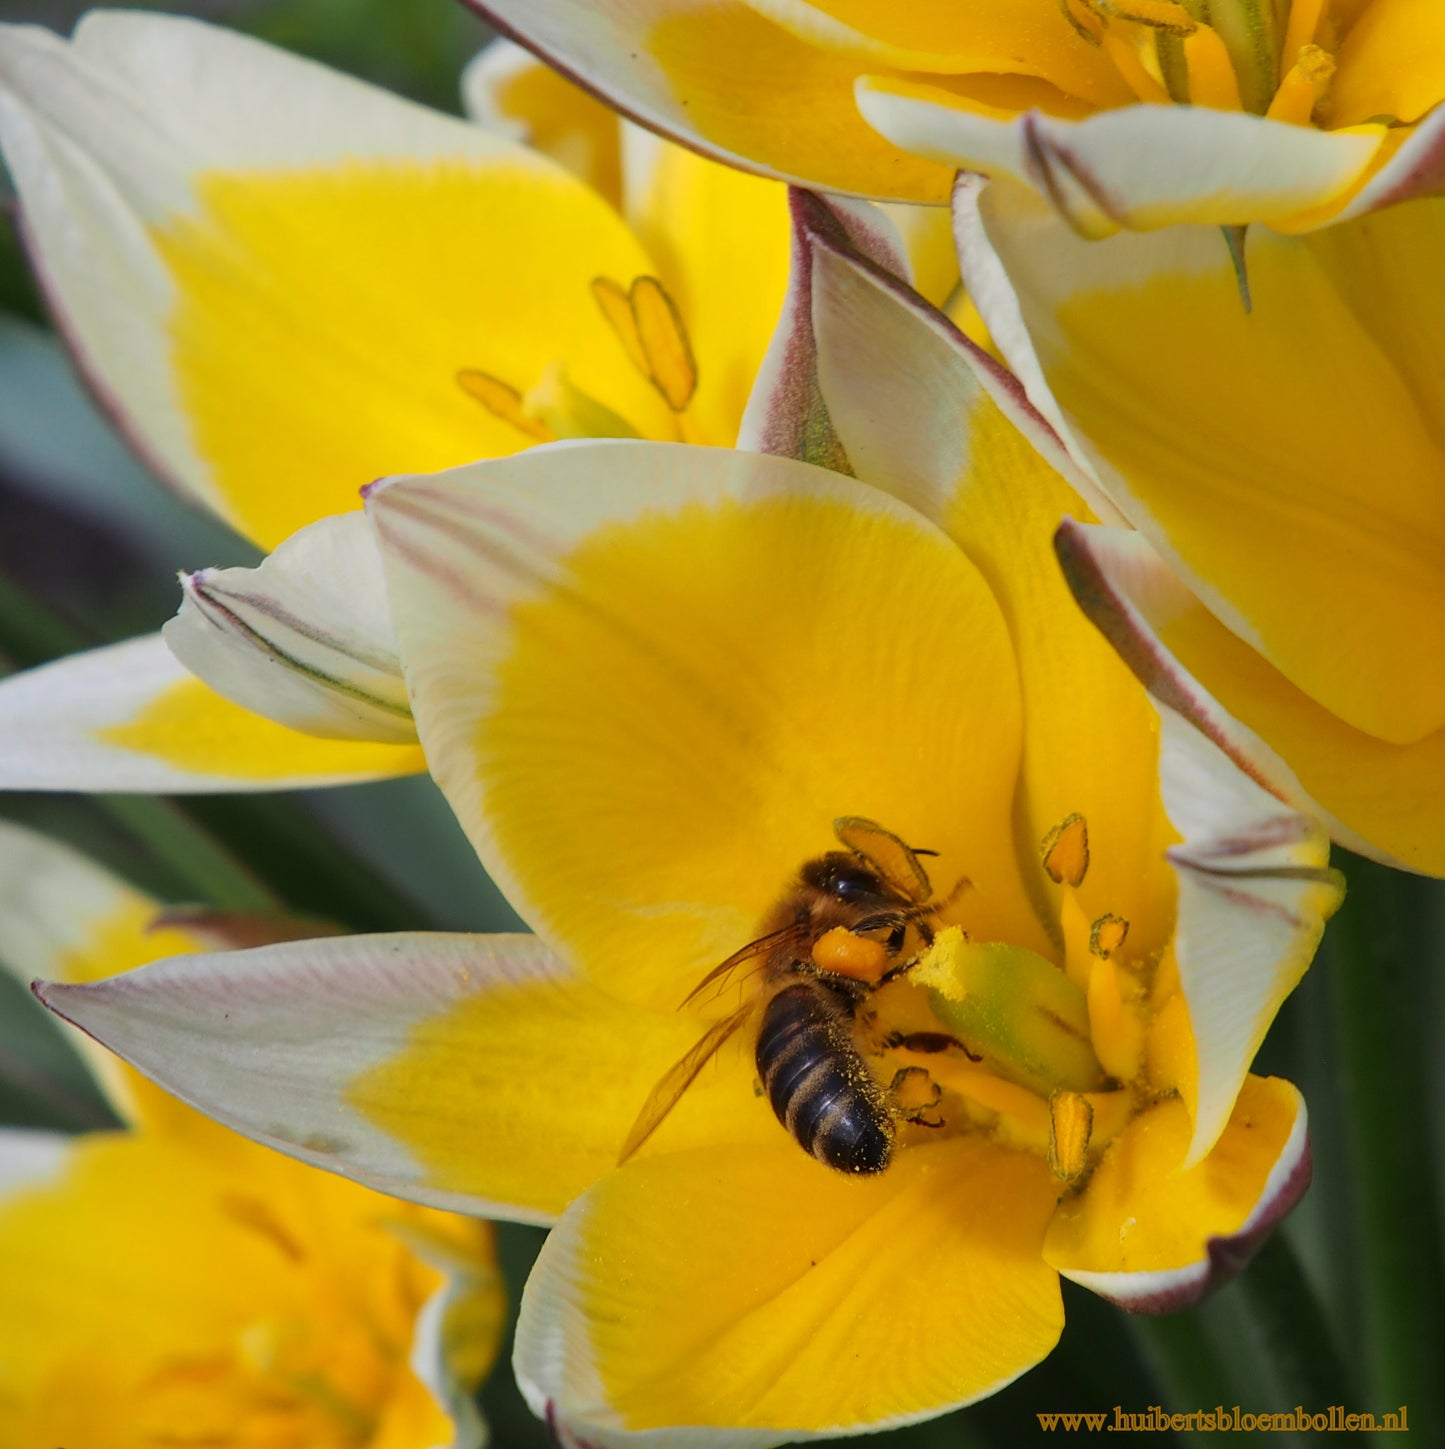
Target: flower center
point(989, 1036)
point(1271, 57)
point(314, 1365)
point(646, 322)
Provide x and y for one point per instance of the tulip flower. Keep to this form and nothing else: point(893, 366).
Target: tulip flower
point(281, 283)
point(654, 681)
point(1282, 468)
point(1123, 115)
point(170, 1282)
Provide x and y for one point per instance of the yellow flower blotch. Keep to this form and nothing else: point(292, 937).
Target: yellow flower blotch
point(193, 728)
point(790, 739)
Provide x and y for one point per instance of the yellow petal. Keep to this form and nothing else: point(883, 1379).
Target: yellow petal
point(650, 677)
point(1290, 453)
point(475, 1073)
point(222, 1287)
point(1386, 797)
point(129, 717)
point(65, 919)
point(797, 119)
point(550, 1074)
point(1150, 1236)
point(510, 91)
point(192, 730)
point(864, 1304)
point(1140, 167)
point(1392, 63)
point(946, 37)
point(409, 273)
point(934, 422)
point(1379, 799)
point(304, 638)
point(232, 233)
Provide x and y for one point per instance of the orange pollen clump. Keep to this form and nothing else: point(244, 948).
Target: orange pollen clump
point(840, 953)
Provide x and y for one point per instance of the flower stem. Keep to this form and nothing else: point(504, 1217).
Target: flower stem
point(1295, 1330)
point(1377, 955)
point(197, 860)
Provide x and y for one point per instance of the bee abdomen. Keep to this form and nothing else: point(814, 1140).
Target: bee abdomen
point(820, 1088)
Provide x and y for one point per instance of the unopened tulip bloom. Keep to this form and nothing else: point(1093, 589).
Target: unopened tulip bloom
point(650, 678)
point(169, 1282)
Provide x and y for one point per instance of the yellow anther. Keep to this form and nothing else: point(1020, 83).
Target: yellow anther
point(1107, 934)
point(616, 307)
point(1071, 1126)
point(664, 339)
point(648, 324)
point(1066, 851)
point(503, 402)
point(1302, 90)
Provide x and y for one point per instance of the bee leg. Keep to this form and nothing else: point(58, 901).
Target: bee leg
point(927, 1042)
point(915, 1095)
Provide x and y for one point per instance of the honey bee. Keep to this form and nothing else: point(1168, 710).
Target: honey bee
point(853, 920)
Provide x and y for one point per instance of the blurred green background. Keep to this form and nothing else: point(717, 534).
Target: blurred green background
point(1345, 1307)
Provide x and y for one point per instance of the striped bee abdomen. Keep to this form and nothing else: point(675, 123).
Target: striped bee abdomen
point(819, 1086)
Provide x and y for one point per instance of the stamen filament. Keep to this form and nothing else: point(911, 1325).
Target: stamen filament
point(1302, 90)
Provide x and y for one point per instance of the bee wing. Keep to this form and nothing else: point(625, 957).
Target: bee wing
point(750, 952)
point(887, 854)
point(678, 1078)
